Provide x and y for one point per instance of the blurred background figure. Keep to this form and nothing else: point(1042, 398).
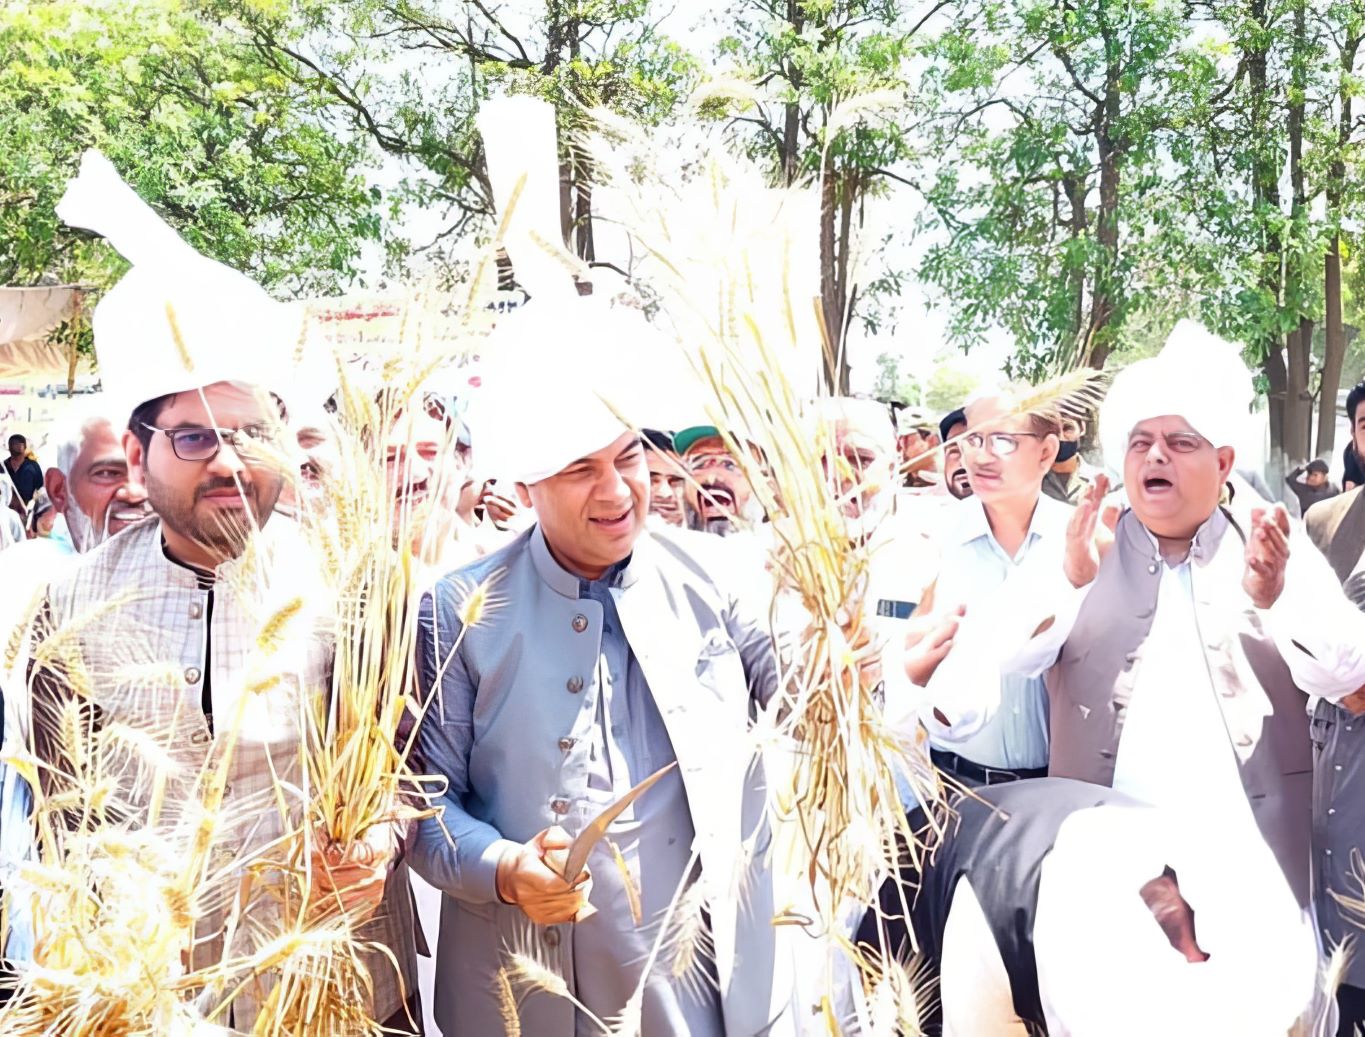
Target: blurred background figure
point(667, 480)
point(916, 437)
point(953, 425)
point(1072, 474)
point(720, 494)
point(1309, 483)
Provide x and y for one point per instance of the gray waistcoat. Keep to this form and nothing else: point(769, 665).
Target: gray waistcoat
point(1093, 679)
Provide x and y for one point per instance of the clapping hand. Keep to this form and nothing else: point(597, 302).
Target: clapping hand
point(1090, 533)
point(928, 643)
point(1267, 554)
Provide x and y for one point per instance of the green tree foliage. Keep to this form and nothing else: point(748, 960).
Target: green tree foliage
point(410, 76)
point(240, 159)
point(807, 56)
point(1051, 216)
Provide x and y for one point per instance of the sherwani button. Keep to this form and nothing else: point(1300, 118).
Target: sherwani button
point(575, 685)
point(1328, 851)
point(565, 744)
point(559, 806)
point(199, 738)
point(551, 938)
point(1331, 810)
point(196, 610)
point(580, 623)
point(1244, 741)
point(192, 675)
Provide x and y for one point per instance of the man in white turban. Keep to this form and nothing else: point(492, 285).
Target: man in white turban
point(194, 348)
point(1181, 636)
point(615, 650)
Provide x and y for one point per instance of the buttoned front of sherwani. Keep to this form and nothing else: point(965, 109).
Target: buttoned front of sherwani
point(151, 633)
point(545, 712)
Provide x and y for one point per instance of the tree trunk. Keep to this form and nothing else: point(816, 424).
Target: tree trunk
point(791, 116)
point(1298, 415)
point(1334, 349)
point(1097, 345)
point(1265, 191)
point(832, 301)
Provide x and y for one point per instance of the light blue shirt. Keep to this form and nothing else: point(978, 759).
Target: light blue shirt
point(974, 567)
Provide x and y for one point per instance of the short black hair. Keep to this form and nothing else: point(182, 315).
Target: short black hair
point(956, 417)
point(1317, 465)
point(1353, 400)
point(145, 414)
point(19, 437)
point(660, 441)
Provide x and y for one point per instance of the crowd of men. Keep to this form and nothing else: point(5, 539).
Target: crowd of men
point(1155, 834)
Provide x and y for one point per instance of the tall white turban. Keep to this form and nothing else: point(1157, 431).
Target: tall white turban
point(1197, 376)
point(564, 378)
point(177, 320)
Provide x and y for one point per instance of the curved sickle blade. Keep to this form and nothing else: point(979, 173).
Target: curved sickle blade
point(597, 828)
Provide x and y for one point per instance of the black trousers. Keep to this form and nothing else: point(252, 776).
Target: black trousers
point(1351, 1005)
point(407, 1021)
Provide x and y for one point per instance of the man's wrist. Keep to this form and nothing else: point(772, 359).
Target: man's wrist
point(502, 880)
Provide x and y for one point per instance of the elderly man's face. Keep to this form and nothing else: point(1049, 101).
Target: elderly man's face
point(210, 507)
point(917, 446)
point(667, 486)
point(722, 492)
point(593, 511)
point(1173, 476)
point(862, 470)
point(958, 483)
point(97, 496)
point(1005, 454)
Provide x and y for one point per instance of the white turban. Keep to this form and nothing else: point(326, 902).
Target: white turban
point(1197, 376)
point(226, 328)
point(563, 379)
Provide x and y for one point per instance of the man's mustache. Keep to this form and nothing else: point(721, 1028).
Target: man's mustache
point(244, 488)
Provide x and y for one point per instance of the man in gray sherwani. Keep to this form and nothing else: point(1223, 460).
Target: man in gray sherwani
point(612, 651)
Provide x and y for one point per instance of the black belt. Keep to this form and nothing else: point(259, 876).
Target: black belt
point(965, 768)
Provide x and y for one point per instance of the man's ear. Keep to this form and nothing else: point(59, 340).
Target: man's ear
point(137, 461)
point(54, 482)
point(1051, 445)
point(1227, 459)
point(524, 495)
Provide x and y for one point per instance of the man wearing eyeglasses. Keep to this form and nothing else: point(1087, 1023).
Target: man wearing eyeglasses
point(1006, 455)
point(1180, 636)
point(720, 494)
point(165, 622)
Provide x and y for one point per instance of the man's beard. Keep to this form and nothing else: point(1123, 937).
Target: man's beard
point(85, 536)
point(227, 532)
point(961, 489)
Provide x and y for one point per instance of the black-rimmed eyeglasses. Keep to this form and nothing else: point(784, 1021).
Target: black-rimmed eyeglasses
point(195, 443)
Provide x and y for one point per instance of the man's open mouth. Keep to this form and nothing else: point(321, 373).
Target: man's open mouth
point(612, 522)
point(1156, 484)
point(717, 497)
